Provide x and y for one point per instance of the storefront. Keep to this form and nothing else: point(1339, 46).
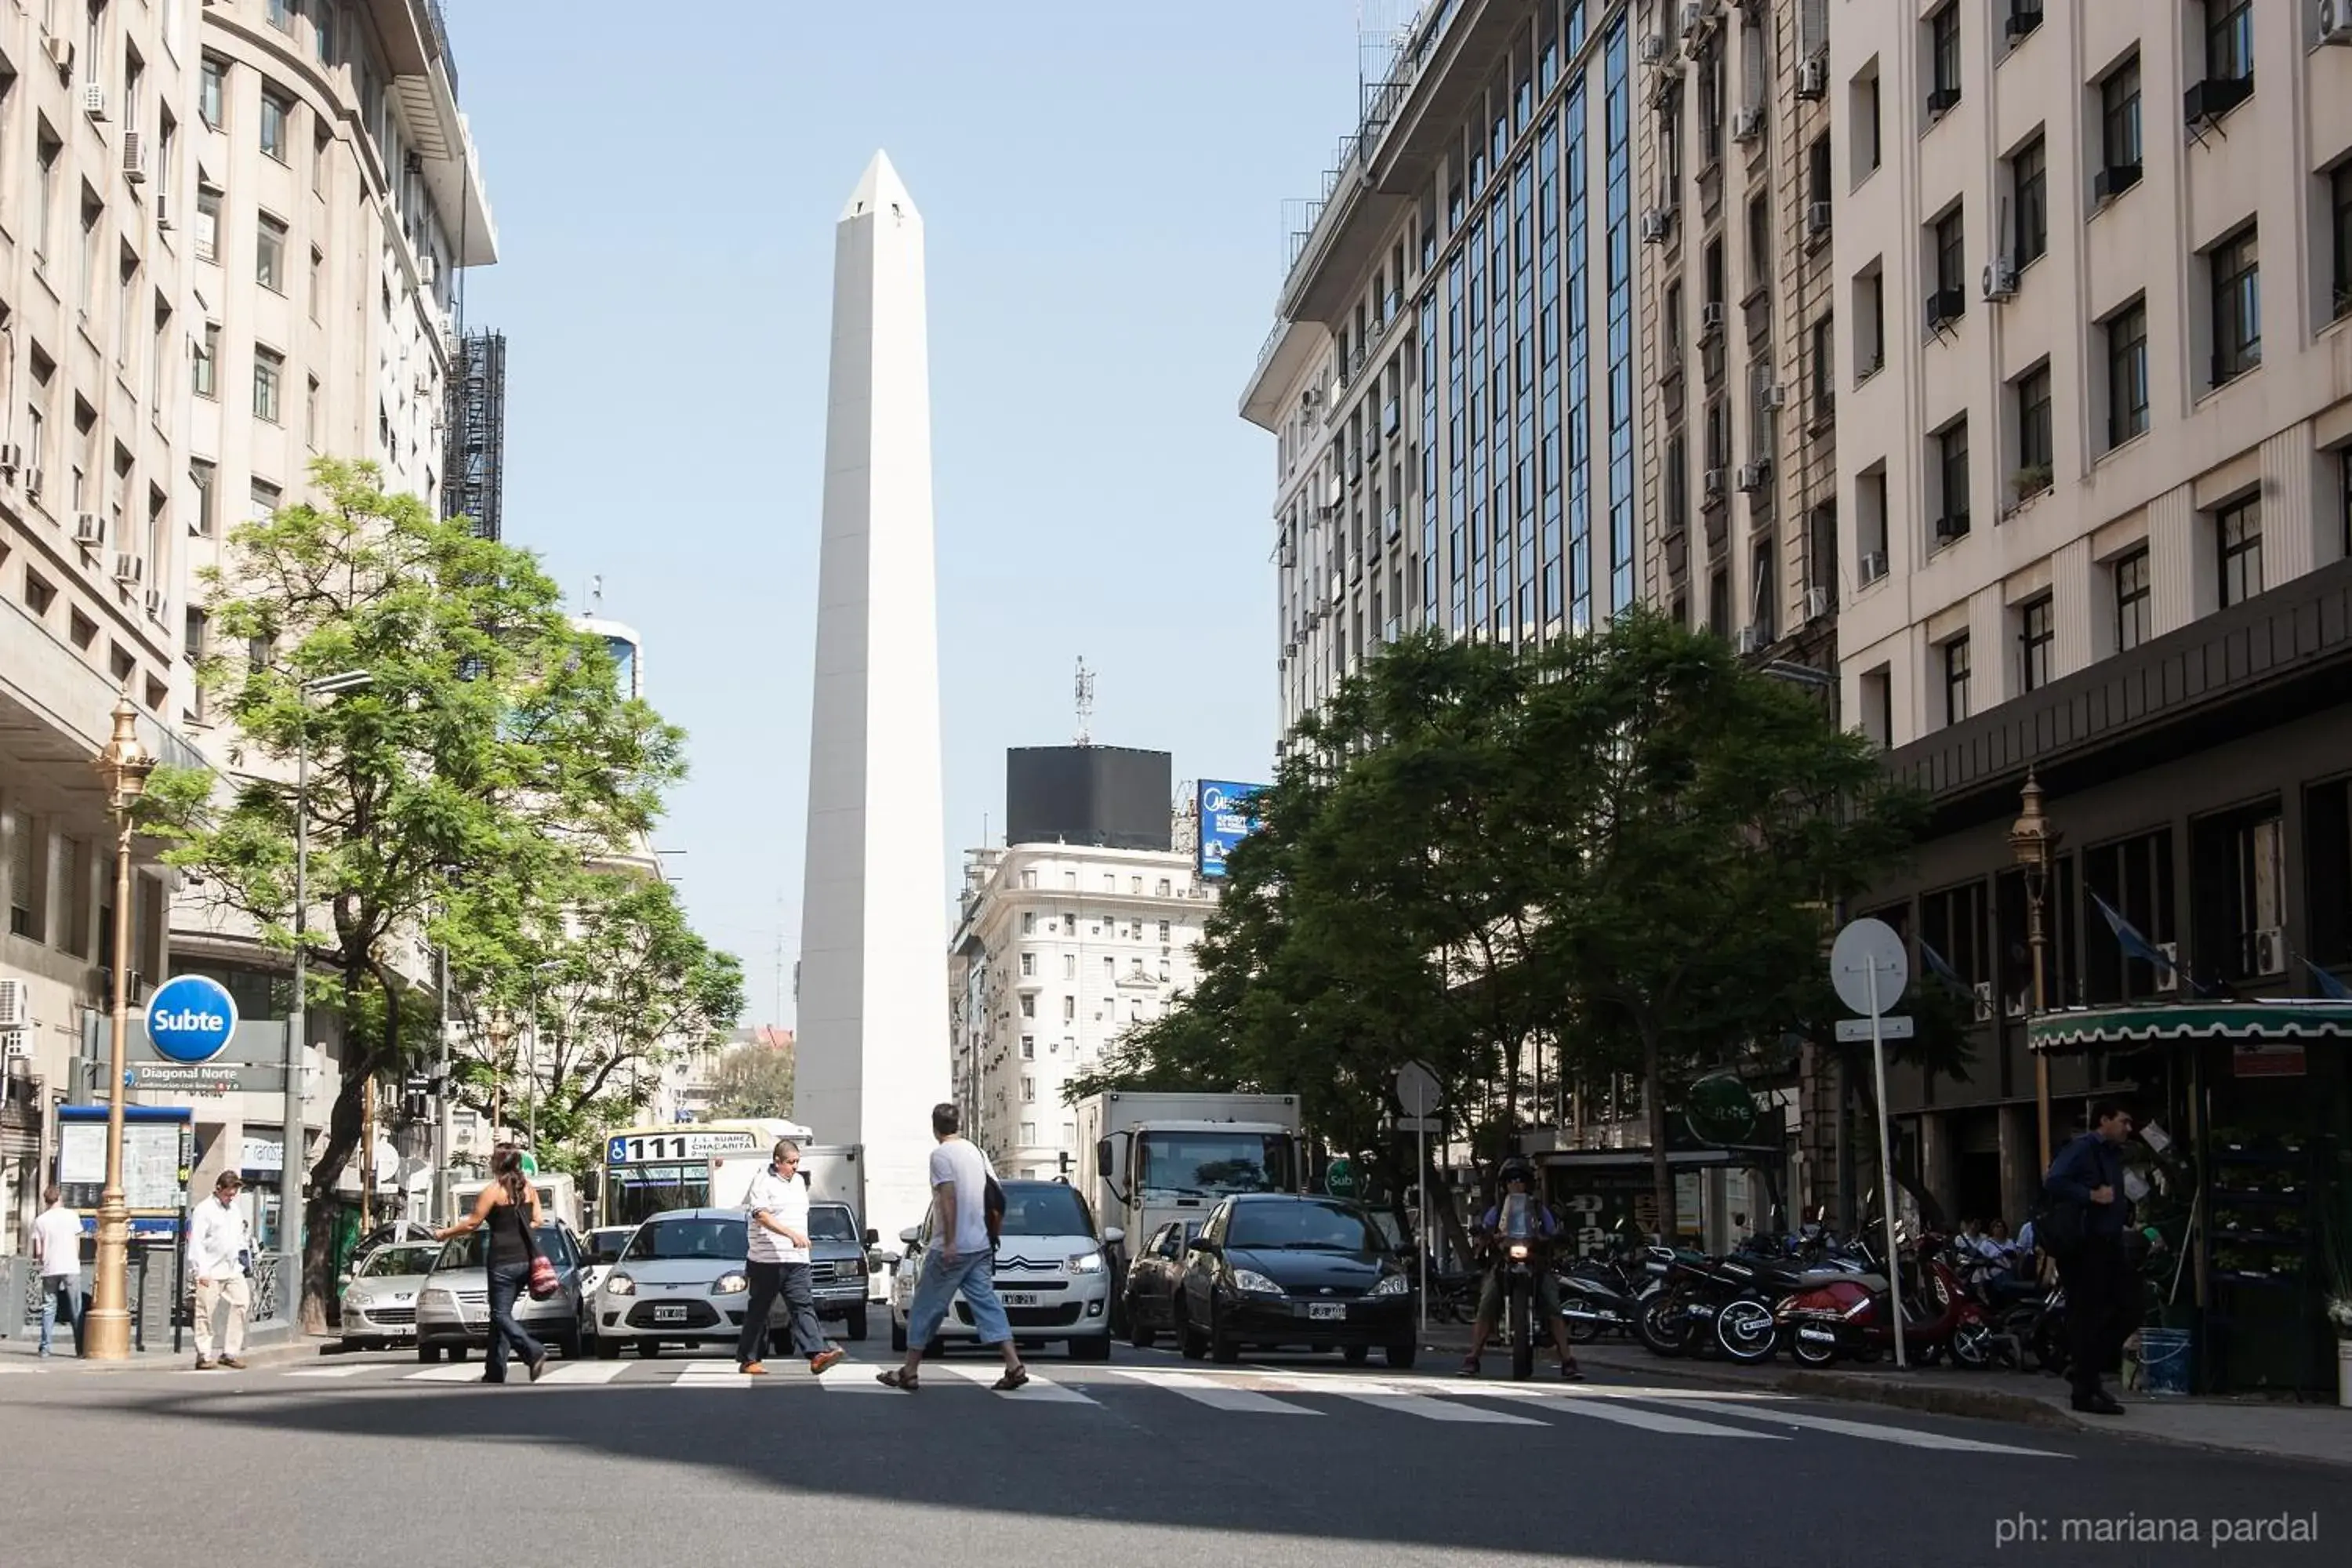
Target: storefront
point(2247, 1177)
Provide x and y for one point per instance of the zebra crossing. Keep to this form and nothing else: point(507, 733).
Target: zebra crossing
point(1706, 1415)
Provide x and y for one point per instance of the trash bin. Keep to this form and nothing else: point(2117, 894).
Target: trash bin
point(2164, 1360)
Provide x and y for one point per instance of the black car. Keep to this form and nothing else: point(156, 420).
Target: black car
point(1275, 1269)
point(1152, 1281)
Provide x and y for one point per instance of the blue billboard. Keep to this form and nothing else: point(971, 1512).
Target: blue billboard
point(1228, 816)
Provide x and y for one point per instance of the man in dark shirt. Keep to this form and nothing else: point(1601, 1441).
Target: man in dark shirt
point(2100, 1288)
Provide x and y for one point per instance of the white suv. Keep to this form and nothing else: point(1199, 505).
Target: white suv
point(1051, 1275)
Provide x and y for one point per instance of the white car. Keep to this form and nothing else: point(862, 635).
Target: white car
point(379, 1302)
point(681, 1281)
point(1050, 1274)
point(602, 1248)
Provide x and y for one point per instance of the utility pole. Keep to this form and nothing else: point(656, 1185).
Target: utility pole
point(444, 1131)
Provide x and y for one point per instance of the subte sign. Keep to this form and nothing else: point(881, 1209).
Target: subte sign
point(190, 1019)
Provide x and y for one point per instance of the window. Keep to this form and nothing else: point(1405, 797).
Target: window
point(2035, 463)
point(1944, 47)
point(1164, 888)
point(281, 15)
point(2131, 600)
point(208, 212)
point(270, 255)
point(1028, 1047)
point(2029, 176)
point(1951, 259)
point(207, 363)
point(29, 864)
point(1759, 242)
point(1028, 1007)
point(269, 373)
point(2236, 265)
point(1029, 878)
point(1069, 966)
point(1029, 965)
point(2034, 635)
point(1955, 679)
point(1870, 316)
point(1864, 107)
point(2339, 192)
point(1028, 1091)
point(1163, 931)
point(1028, 1134)
point(275, 114)
point(1069, 1009)
point(2119, 143)
point(317, 284)
point(210, 96)
point(1028, 922)
point(2238, 529)
point(322, 30)
point(1951, 453)
point(311, 415)
point(204, 476)
point(2126, 372)
point(261, 501)
point(319, 163)
point(2229, 40)
point(45, 218)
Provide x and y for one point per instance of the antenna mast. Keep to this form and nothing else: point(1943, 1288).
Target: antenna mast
point(1085, 694)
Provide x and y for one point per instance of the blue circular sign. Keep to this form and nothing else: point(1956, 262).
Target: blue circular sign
point(190, 1019)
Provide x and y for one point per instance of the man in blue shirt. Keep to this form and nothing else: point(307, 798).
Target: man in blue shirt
point(1516, 1179)
point(2100, 1287)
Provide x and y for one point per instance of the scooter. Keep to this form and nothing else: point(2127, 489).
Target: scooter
point(1597, 1297)
point(1852, 1315)
point(1517, 1239)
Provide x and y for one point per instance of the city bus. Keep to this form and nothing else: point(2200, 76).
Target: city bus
point(667, 1165)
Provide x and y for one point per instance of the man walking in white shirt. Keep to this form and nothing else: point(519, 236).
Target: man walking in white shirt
point(778, 1261)
point(219, 1246)
point(962, 1257)
point(56, 1243)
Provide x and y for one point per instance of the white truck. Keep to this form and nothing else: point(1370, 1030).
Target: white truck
point(832, 1173)
point(1145, 1159)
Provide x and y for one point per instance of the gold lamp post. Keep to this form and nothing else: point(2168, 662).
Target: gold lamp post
point(2034, 843)
point(124, 764)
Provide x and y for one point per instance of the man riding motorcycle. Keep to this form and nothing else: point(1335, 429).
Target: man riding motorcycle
point(1516, 1179)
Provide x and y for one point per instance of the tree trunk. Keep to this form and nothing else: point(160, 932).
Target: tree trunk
point(319, 1213)
point(1653, 1101)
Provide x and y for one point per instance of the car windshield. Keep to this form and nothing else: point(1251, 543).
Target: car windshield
point(688, 1238)
point(1214, 1163)
point(1046, 1209)
point(611, 1238)
point(1308, 1225)
point(467, 1251)
point(385, 1262)
point(832, 1221)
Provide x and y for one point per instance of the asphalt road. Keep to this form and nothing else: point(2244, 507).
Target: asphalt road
point(374, 1462)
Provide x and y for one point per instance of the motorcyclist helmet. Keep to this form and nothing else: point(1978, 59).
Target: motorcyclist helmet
point(1516, 1169)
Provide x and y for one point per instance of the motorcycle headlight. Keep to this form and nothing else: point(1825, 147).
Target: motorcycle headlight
point(1256, 1284)
point(1084, 1263)
point(1518, 1252)
point(730, 1284)
point(619, 1284)
point(1391, 1285)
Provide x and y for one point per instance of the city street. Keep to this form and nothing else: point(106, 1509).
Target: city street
point(377, 1460)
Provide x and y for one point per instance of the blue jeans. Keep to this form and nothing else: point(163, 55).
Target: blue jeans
point(506, 1285)
point(973, 1273)
point(58, 1301)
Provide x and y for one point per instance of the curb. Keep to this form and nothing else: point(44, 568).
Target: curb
point(269, 1353)
point(1984, 1404)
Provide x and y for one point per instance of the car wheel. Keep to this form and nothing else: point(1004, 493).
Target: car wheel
point(1094, 1347)
point(1401, 1357)
point(897, 1337)
point(569, 1344)
point(854, 1325)
point(1224, 1352)
point(1139, 1333)
point(1356, 1355)
point(1189, 1341)
point(607, 1348)
point(428, 1353)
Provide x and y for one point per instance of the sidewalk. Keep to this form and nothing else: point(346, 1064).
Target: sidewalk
point(2313, 1433)
point(22, 1354)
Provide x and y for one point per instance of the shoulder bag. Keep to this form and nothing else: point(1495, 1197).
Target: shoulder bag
point(544, 1282)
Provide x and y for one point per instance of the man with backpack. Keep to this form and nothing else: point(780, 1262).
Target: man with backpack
point(967, 1211)
point(2082, 1225)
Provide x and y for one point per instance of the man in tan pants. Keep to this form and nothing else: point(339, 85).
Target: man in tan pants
point(219, 1245)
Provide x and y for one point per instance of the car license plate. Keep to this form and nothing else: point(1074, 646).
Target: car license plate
point(1327, 1311)
point(670, 1314)
point(1020, 1298)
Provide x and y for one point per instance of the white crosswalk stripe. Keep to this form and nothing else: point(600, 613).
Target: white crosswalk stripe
point(1041, 1390)
point(331, 1371)
point(1216, 1396)
point(1907, 1436)
point(1599, 1407)
point(459, 1372)
point(576, 1372)
point(1405, 1400)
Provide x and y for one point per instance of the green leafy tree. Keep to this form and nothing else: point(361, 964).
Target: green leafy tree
point(754, 1080)
point(490, 742)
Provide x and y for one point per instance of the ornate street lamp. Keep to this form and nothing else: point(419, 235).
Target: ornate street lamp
point(124, 764)
point(2034, 844)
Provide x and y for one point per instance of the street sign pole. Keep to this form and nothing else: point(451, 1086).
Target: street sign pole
point(1886, 1175)
point(1418, 1090)
point(1869, 966)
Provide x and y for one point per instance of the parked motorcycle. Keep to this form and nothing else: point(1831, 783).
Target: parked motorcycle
point(1853, 1315)
point(1600, 1296)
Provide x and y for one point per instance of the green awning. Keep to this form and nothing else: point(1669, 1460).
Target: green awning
point(2109, 1029)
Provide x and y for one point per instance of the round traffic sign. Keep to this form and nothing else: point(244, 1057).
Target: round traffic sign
point(1417, 1089)
point(190, 1019)
point(1869, 966)
point(1339, 1178)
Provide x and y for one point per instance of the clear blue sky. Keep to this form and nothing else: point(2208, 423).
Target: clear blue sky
point(1101, 185)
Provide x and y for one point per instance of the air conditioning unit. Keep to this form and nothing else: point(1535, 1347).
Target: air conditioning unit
point(2336, 21)
point(1982, 990)
point(2266, 951)
point(1747, 124)
point(1775, 397)
point(1955, 526)
point(16, 1005)
point(2167, 974)
point(134, 158)
point(1813, 79)
point(1754, 476)
point(2112, 182)
point(1942, 101)
point(12, 457)
point(1817, 603)
point(2000, 279)
point(130, 569)
point(93, 99)
point(15, 1045)
point(1710, 484)
point(1653, 48)
point(1817, 219)
point(155, 604)
point(1710, 318)
point(1873, 566)
point(60, 50)
point(89, 529)
point(33, 481)
point(1753, 640)
point(428, 269)
point(1654, 225)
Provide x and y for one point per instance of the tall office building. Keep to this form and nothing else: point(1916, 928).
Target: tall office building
point(1452, 378)
point(2094, 394)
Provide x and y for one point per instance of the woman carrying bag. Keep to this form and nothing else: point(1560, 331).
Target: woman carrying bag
point(510, 1207)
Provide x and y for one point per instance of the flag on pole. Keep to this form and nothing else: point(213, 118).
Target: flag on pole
point(1945, 971)
point(2134, 945)
point(2335, 990)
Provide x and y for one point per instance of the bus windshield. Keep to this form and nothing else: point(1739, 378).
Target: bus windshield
point(633, 1195)
point(1212, 1163)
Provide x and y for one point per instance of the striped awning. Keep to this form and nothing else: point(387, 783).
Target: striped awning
point(2108, 1028)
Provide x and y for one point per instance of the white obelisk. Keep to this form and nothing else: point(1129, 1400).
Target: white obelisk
point(873, 1015)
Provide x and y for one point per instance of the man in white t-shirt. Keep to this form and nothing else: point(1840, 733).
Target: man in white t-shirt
point(963, 1257)
point(57, 1244)
point(778, 1261)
